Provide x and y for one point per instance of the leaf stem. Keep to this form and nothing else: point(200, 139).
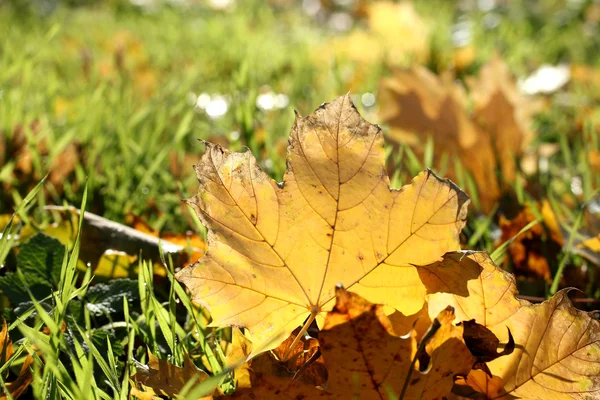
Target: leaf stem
point(310, 320)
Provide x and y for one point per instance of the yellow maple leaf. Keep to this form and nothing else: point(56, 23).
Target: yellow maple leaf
point(557, 353)
point(277, 251)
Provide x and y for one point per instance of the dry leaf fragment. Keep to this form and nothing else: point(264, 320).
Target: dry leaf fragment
point(277, 251)
point(166, 379)
point(557, 347)
point(483, 344)
point(192, 244)
point(22, 147)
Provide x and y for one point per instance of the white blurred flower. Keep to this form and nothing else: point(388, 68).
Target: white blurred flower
point(281, 101)
point(368, 99)
point(203, 100)
point(234, 136)
point(341, 21)
point(192, 98)
point(311, 7)
point(546, 79)
point(270, 100)
point(462, 34)
point(577, 186)
point(265, 101)
point(220, 4)
point(217, 107)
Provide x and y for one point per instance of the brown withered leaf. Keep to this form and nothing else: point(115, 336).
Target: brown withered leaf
point(530, 251)
point(20, 385)
point(17, 387)
point(5, 343)
point(557, 347)
point(366, 359)
point(166, 379)
point(416, 104)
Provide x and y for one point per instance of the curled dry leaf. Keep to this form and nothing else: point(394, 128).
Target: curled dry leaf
point(366, 359)
point(416, 104)
point(557, 352)
point(276, 251)
point(162, 377)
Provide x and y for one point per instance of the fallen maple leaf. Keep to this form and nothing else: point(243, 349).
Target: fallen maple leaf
point(277, 251)
point(366, 359)
point(557, 346)
point(416, 104)
point(162, 377)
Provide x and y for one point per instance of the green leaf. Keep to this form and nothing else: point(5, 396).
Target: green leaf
point(42, 256)
point(107, 298)
point(12, 287)
point(39, 260)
